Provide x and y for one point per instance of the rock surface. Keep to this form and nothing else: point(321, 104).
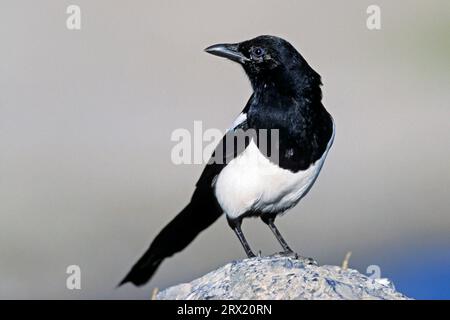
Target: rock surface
point(281, 277)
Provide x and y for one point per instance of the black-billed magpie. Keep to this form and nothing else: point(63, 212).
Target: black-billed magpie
point(286, 97)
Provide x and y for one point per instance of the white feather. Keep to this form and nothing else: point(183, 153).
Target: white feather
point(252, 182)
point(241, 118)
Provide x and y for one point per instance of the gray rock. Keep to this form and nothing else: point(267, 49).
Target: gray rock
point(282, 277)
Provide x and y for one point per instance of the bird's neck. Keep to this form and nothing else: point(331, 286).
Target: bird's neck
point(302, 86)
point(289, 103)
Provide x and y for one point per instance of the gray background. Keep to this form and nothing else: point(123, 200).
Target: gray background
point(86, 118)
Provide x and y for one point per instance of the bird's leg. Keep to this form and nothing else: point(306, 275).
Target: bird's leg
point(235, 224)
point(270, 222)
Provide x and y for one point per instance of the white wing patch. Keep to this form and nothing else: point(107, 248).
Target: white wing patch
point(240, 119)
point(252, 182)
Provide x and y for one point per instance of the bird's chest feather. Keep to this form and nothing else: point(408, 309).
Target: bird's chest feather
point(251, 182)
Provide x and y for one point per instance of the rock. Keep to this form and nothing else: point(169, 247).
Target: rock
point(282, 277)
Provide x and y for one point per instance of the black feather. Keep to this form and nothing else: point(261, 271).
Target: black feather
point(199, 214)
point(202, 211)
point(287, 97)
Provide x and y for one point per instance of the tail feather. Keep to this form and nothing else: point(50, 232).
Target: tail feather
point(201, 212)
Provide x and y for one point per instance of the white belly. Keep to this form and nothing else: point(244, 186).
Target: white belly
point(251, 182)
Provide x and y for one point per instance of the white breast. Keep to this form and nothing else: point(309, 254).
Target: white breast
point(251, 182)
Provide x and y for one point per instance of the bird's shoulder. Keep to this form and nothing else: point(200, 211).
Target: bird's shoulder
point(227, 149)
point(304, 129)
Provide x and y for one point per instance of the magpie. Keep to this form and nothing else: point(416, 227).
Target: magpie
point(286, 97)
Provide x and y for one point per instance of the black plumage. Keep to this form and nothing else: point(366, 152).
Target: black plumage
point(287, 97)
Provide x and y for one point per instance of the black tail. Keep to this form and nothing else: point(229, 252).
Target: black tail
point(200, 213)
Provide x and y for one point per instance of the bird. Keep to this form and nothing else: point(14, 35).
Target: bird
point(286, 98)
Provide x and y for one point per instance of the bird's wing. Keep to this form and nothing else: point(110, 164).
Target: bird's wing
point(222, 155)
point(201, 212)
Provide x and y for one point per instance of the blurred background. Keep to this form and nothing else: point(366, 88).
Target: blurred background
point(86, 117)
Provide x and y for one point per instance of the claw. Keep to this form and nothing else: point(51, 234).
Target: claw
point(296, 256)
point(309, 261)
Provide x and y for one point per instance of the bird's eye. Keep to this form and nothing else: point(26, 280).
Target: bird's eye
point(257, 52)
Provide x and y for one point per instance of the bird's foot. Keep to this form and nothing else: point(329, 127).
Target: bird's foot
point(308, 261)
point(296, 256)
point(288, 253)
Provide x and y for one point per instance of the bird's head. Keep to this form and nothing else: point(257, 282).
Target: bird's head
point(267, 60)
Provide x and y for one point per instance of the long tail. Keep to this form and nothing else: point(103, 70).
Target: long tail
point(201, 212)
